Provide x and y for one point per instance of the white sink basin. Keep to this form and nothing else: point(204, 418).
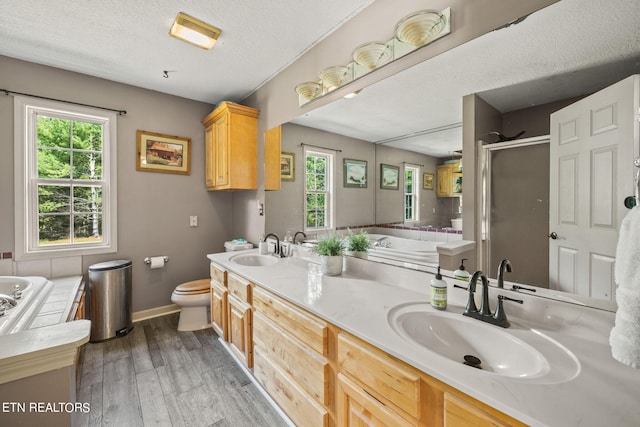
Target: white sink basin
point(516, 352)
point(254, 260)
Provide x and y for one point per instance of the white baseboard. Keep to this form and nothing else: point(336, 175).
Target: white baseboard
point(154, 312)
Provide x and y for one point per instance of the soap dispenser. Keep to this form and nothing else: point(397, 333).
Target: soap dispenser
point(461, 273)
point(438, 292)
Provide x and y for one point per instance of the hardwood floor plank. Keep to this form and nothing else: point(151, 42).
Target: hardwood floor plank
point(152, 402)
point(121, 404)
point(178, 365)
point(199, 408)
point(152, 346)
point(140, 350)
point(173, 407)
point(91, 364)
point(189, 340)
point(116, 348)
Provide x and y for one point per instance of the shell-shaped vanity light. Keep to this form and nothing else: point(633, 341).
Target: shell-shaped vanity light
point(309, 90)
point(420, 27)
point(372, 55)
point(335, 76)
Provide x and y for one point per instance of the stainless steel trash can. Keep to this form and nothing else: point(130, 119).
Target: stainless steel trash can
point(109, 298)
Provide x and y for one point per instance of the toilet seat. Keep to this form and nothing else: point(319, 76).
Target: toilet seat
point(194, 287)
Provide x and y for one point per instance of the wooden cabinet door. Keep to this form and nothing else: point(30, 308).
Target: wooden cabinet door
point(357, 408)
point(221, 152)
point(219, 310)
point(240, 340)
point(210, 166)
point(443, 178)
point(272, 147)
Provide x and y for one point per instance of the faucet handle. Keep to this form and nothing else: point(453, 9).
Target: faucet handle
point(500, 316)
point(471, 303)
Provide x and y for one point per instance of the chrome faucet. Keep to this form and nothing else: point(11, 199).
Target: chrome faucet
point(277, 252)
point(295, 236)
point(380, 242)
point(499, 318)
point(504, 264)
point(6, 302)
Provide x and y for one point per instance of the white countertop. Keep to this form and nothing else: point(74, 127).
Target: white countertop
point(604, 392)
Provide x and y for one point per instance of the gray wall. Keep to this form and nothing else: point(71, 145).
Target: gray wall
point(153, 208)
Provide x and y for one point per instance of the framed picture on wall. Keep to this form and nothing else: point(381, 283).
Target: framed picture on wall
point(389, 177)
point(355, 173)
point(156, 152)
point(287, 166)
point(427, 181)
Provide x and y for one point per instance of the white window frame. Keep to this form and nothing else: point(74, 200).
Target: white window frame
point(330, 191)
point(415, 194)
point(26, 172)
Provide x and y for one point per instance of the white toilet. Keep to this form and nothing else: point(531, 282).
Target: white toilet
point(194, 301)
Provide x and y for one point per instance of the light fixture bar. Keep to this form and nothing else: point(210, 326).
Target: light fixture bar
point(194, 31)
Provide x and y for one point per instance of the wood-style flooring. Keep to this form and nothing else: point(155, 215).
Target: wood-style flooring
point(157, 376)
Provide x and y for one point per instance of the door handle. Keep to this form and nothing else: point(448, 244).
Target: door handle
point(630, 202)
point(553, 235)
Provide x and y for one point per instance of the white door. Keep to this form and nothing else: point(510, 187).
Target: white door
point(593, 145)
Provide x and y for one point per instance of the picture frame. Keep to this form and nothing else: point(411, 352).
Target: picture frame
point(389, 177)
point(157, 152)
point(427, 181)
point(287, 166)
point(354, 173)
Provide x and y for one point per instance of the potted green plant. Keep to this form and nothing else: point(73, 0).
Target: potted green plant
point(358, 244)
point(331, 250)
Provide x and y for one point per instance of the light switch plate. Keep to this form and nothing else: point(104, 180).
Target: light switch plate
point(193, 221)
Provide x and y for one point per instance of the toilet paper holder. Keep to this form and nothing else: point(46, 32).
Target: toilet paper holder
point(147, 260)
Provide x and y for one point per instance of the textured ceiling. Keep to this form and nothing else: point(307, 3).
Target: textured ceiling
point(570, 48)
point(128, 41)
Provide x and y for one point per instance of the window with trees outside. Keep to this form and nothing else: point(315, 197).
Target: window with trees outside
point(410, 193)
point(65, 179)
point(318, 190)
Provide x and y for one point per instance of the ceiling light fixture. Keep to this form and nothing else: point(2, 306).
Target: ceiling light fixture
point(194, 31)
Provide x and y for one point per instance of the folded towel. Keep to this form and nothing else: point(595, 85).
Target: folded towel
point(625, 335)
point(627, 270)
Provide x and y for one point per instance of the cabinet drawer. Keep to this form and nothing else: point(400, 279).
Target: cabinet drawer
point(458, 413)
point(239, 287)
point(310, 330)
point(287, 394)
point(218, 274)
point(356, 407)
point(310, 370)
point(386, 379)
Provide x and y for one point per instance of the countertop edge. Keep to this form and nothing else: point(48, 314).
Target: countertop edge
point(40, 350)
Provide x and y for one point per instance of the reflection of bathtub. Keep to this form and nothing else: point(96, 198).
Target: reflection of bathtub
point(34, 293)
point(406, 250)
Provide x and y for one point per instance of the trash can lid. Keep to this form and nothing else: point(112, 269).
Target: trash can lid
point(110, 265)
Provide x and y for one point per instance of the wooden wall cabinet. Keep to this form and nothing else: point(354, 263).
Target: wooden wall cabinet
point(449, 180)
point(231, 148)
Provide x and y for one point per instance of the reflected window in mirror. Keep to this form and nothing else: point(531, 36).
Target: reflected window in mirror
point(411, 194)
point(319, 190)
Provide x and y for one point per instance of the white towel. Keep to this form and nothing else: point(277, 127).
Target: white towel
point(625, 335)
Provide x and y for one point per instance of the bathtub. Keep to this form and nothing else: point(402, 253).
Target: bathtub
point(405, 250)
point(35, 291)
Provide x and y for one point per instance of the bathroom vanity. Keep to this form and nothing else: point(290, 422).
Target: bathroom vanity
point(356, 348)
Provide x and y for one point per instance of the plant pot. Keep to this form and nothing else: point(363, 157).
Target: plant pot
point(358, 254)
point(331, 265)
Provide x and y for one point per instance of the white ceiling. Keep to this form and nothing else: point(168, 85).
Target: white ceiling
point(128, 42)
point(570, 48)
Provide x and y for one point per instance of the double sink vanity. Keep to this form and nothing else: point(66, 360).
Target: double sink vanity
point(367, 347)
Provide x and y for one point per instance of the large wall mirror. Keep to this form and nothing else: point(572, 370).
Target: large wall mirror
point(550, 59)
